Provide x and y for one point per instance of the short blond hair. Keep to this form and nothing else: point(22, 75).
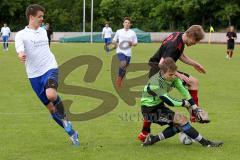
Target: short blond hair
point(196, 32)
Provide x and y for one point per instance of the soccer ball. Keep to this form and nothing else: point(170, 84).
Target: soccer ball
point(184, 139)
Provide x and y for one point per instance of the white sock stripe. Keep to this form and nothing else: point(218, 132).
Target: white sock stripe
point(199, 137)
point(161, 136)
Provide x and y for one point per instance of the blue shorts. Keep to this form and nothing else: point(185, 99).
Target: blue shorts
point(39, 84)
point(123, 57)
point(107, 40)
point(5, 38)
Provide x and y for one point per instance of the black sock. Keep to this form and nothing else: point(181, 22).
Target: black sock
point(190, 131)
point(169, 132)
point(204, 141)
point(155, 139)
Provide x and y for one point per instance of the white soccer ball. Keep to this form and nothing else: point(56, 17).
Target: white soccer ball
point(184, 139)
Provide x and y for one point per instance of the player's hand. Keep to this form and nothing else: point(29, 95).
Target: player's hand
point(130, 43)
point(199, 68)
point(183, 77)
point(22, 57)
point(188, 106)
point(115, 45)
point(200, 114)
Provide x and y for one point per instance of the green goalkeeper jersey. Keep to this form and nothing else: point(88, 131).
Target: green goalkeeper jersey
point(157, 89)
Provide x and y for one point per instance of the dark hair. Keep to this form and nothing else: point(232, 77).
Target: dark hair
point(168, 65)
point(33, 9)
point(127, 18)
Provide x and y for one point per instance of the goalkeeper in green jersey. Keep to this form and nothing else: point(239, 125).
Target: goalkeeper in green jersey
point(155, 96)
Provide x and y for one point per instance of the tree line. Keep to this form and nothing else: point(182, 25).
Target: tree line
point(147, 15)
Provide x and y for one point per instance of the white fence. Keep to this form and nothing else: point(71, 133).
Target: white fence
point(155, 36)
point(215, 37)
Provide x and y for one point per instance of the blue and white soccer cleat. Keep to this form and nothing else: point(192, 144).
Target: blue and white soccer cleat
point(68, 128)
point(74, 139)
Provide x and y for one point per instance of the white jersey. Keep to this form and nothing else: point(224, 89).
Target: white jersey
point(34, 43)
point(125, 35)
point(5, 31)
point(107, 32)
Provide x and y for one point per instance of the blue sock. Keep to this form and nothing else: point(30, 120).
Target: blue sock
point(58, 119)
point(59, 116)
point(107, 48)
point(71, 132)
point(69, 129)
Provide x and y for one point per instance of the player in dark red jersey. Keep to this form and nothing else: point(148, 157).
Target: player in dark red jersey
point(173, 46)
point(231, 36)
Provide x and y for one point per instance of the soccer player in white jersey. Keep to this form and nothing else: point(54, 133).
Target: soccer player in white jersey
point(32, 48)
point(124, 39)
point(107, 35)
point(5, 33)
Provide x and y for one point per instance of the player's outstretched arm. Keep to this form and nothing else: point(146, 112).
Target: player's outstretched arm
point(181, 88)
point(172, 102)
point(183, 77)
point(187, 60)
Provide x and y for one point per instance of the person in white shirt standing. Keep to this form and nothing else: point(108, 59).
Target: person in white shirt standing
point(5, 33)
point(32, 48)
point(107, 35)
point(124, 39)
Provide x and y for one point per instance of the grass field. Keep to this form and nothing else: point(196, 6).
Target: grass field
point(28, 132)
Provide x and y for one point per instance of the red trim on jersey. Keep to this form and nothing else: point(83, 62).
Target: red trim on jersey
point(176, 37)
point(167, 39)
point(180, 46)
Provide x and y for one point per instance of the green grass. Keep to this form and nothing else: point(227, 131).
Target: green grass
point(28, 132)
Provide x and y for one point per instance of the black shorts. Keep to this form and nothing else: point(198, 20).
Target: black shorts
point(159, 114)
point(230, 45)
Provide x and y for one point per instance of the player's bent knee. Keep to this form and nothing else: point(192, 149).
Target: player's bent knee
point(194, 81)
point(180, 119)
point(51, 94)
